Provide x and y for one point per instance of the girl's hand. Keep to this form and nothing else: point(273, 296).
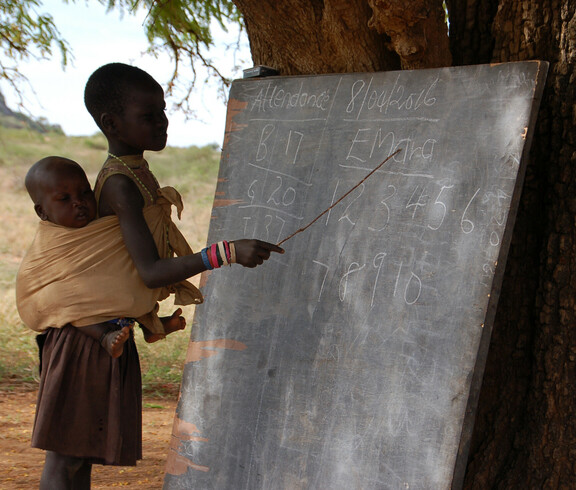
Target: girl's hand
point(251, 253)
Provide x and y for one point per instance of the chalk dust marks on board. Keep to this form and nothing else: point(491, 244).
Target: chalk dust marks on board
point(235, 107)
point(183, 432)
point(231, 136)
point(512, 141)
point(198, 350)
point(220, 200)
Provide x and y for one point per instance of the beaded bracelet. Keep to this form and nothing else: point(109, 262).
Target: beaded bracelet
point(212, 255)
point(218, 254)
point(222, 253)
point(227, 250)
point(205, 259)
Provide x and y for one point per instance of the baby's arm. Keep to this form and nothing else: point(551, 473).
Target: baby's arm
point(121, 196)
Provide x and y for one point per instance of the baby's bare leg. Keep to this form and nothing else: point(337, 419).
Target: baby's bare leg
point(114, 341)
point(109, 336)
point(171, 324)
point(174, 323)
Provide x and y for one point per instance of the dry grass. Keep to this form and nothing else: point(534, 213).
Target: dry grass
point(192, 171)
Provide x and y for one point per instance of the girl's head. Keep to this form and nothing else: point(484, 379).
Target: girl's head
point(61, 192)
point(128, 106)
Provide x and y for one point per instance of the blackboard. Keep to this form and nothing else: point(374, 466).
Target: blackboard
point(354, 360)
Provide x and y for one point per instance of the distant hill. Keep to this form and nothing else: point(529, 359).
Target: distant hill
point(18, 120)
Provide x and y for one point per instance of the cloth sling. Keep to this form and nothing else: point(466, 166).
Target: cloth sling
point(84, 276)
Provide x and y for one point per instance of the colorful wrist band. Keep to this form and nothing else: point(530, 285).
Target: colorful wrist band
point(227, 250)
point(222, 251)
point(213, 256)
point(205, 259)
point(218, 254)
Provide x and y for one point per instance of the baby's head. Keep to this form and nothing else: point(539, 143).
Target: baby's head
point(61, 192)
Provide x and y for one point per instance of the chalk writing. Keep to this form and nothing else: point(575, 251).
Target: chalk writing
point(384, 222)
point(466, 224)
point(370, 143)
point(272, 97)
point(397, 97)
point(442, 206)
point(353, 268)
point(377, 262)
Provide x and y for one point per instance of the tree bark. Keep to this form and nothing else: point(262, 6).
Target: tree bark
point(417, 29)
point(524, 433)
point(471, 39)
point(315, 36)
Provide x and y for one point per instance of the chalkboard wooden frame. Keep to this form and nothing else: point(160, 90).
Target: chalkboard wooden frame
point(355, 359)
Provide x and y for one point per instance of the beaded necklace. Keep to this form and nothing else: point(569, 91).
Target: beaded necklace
point(166, 234)
point(134, 175)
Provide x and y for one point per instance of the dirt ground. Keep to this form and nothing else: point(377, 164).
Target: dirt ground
point(21, 465)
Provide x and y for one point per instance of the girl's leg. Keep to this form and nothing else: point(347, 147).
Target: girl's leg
point(82, 478)
point(61, 472)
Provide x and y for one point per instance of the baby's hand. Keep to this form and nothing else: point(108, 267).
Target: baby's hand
point(251, 253)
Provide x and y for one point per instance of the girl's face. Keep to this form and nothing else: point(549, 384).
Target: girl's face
point(143, 124)
point(67, 200)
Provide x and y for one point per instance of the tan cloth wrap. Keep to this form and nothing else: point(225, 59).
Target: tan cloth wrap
point(85, 275)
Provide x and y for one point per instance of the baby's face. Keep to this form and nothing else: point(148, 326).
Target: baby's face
point(68, 200)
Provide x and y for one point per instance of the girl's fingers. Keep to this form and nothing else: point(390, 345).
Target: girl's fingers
point(270, 247)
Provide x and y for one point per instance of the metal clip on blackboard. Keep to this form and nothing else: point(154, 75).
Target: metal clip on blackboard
point(260, 71)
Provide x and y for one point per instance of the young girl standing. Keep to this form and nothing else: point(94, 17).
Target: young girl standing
point(128, 106)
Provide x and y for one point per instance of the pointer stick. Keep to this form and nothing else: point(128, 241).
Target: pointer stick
point(326, 210)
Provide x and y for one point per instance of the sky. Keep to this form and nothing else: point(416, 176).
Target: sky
point(97, 37)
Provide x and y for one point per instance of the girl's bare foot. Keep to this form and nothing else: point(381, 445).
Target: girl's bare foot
point(114, 340)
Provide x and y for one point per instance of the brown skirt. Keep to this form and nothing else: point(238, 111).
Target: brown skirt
point(89, 404)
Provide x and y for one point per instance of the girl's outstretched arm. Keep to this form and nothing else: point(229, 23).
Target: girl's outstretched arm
point(121, 196)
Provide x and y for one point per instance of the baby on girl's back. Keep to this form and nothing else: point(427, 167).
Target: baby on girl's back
point(62, 195)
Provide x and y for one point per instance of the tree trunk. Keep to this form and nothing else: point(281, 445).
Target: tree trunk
point(417, 29)
point(340, 36)
point(525, 433)
point(315, 36)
